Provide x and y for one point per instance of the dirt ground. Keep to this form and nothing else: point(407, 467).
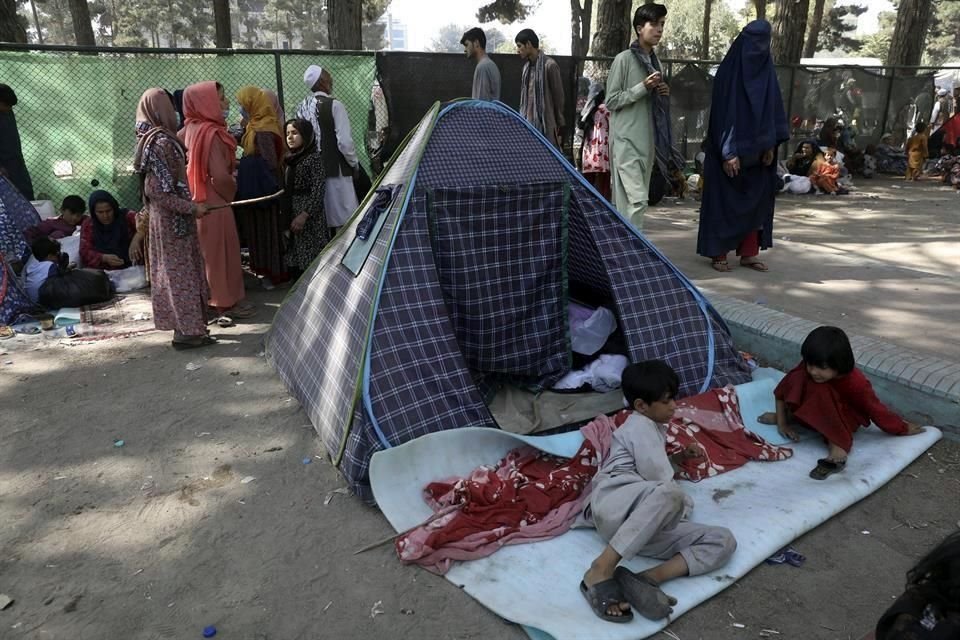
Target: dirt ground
point(162, 537)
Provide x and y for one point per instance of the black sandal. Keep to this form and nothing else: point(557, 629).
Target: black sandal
point(202, 341)
point(826, 468)
point(644, 594)
point(604, 595)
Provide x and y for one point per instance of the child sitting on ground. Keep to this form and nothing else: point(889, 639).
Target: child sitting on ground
point(827, 393)
point(930, 606)
point(48, 261)
point(50, 281)
point(638, 508)
point(826, 172)
point(71, 215)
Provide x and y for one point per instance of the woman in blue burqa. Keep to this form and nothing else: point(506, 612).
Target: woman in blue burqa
point(747, 123)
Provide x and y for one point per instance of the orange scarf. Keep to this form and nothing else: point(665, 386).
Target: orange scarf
point(203, 123)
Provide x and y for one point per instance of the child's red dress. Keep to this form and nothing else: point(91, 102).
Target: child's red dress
point(836, 409)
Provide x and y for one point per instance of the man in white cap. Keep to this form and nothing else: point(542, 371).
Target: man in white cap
point(941, 110)
point(331, 122)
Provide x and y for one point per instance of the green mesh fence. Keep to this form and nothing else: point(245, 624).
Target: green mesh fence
point(75, 113)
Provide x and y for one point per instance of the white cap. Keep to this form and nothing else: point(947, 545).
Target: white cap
point(943, 92)
point(312, 75)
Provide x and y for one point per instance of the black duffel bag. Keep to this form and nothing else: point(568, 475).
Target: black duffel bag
point(76, 288)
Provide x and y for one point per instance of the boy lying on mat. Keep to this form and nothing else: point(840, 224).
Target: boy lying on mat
point(638, 508)
point(827, 393)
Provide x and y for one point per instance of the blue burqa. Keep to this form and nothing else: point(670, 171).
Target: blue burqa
point(747, 118)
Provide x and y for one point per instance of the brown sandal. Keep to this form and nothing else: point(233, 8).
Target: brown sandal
point(756, 265)
point(721, 265)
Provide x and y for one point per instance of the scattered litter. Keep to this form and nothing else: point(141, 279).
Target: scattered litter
point(787, 555)
point(865, 532)
point(203, 434)
point(261, 354)
point(239, 382)
point(193, 366)
point(234, 373)
point(209, 632)
point(118, 443)
point(171, 605)
point(407, 612)
point(5, 601)
point(147, 487)
point(247, 480)
point(376, 609)
point(329, 497)
point(8, 362)
point(141, 316)
point(307, 460)
point(329, 604)
point(242, 501)
point(272, 449)
point(60, 478)
point(138, 572)
point(766, 633)
point(16, 626)
point(732, 617)
point(737, 625)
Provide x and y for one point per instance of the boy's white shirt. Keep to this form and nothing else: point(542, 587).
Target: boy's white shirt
point(639, 446)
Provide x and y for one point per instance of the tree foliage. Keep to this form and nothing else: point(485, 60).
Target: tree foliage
point(505, 11)
point(683, 36)
point(839, 29)
point(447, 39)
point(943, 41)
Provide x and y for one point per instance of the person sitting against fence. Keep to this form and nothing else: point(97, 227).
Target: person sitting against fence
point(303, 197)
point(948, 166)
point(71, 215)
point(917, 152)
point(801, 163)
point(825, 173)
point(258, 175)
point(109, 237)
point(639, 509)
point(826, 392)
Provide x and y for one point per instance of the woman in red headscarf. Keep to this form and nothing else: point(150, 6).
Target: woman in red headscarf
point(178, 283)
point(211, 160)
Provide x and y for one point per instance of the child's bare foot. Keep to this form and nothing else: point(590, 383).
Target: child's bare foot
point(788, 432)
point(767, 418)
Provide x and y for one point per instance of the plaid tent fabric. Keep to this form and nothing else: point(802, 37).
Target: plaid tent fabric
point(469, 276)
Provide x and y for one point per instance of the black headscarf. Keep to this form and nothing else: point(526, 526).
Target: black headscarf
point(293, 158)
point(746, 97)
point(114, 237)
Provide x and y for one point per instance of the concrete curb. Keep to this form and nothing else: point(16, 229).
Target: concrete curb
point(921, 388)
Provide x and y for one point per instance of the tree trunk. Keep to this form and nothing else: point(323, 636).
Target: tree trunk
point(705, 39)
point(221, 17)
point(82, 29)
point(10, 28)
point(614, 30)
point(789, 27)
point(910, 33)
point(344, 22)
point(580, 23)
point(36, 21)
point(811, 47)
point(761, 6)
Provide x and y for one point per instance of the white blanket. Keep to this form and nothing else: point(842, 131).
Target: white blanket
point(766, 505)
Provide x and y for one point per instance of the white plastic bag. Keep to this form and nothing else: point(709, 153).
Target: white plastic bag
point(129, 279)
point(71, 246)
point(588, 335)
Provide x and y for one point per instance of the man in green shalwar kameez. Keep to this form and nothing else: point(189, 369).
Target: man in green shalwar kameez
point(634, 81)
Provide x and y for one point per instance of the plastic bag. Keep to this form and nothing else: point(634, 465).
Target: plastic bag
point(71, 246)
point(129, 279)
point(589, 329)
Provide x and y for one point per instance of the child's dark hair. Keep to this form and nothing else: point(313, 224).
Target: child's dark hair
point(528, 36)
point(44, 247)
point(74, 204)
point(940, 570)
point(828, 348)
point(648, 12)
point(649, 381)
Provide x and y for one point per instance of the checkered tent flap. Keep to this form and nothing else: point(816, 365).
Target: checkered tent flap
point(475, 259)
point(319, 335)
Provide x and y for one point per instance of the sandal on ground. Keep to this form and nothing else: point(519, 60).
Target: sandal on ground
point(826, 468)
point(756, 265)
point(225, 322)
point(720, 265)
point(644, 594)
point(604, 595)
point(194, 342)
point(6, 331)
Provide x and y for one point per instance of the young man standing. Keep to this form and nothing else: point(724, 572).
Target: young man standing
point(486, 77)
point(331, 124)
point(541, 91)
point(634, 83)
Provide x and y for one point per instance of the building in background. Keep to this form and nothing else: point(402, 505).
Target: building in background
point(395, 33)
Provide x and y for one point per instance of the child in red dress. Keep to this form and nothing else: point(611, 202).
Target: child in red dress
point(827, 393)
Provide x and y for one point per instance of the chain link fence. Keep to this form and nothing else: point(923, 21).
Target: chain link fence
point(76, 108)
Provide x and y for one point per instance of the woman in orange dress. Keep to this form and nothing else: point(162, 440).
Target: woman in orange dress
point(917, 152)
point(211, 161)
